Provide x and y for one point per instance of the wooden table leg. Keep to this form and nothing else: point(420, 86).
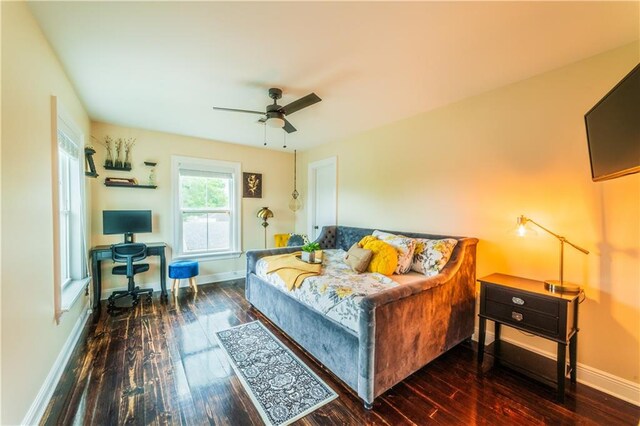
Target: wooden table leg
point(482, 325)
point(561, 370)
point(573, 356)
point(497, 327)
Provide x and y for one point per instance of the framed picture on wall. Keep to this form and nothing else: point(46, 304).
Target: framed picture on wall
point(252, 185)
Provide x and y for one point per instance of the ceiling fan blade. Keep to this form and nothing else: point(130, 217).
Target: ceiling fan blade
point(288, 127)
point(238, 110)
point(262, 120)
point(303, 102)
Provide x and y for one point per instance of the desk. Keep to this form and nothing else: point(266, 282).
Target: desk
point(525, 305)
point(100, 253)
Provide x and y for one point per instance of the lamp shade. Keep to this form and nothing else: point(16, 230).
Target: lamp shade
point(276, 122)
point(295, 204)
point(265, 213)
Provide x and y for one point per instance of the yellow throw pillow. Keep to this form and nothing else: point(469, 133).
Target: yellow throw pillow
point(385, 257)
point(405, 247)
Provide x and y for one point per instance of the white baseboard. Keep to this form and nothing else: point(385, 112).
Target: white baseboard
point(39, 405)
point(623, 389)
point(200, 279)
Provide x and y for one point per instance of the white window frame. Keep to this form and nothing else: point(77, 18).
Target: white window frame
point(208, 165)
point(70, 241)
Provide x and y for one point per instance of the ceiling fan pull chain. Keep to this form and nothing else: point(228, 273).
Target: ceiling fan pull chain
point(285, 138)
point(265, 133)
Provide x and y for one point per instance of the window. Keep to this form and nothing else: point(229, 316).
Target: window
point(207, 208)
point(70, 238)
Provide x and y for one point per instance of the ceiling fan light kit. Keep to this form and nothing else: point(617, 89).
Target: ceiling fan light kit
point(276, 122)
point(275, 115)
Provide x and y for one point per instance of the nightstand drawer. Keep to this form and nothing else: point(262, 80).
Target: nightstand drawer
point(521, 299)
point(522, 317)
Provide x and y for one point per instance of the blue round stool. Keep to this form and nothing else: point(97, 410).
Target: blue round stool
point(183, 269)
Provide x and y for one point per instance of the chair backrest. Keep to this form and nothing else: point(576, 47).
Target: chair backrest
point(125, 251)
point(128, 253)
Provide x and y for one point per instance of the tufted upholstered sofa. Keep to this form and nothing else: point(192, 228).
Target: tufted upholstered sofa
point(400, 329)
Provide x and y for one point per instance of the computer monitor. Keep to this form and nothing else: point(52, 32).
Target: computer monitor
point(127, 222)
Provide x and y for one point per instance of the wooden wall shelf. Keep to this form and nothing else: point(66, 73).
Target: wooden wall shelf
point(126, 185)
point(123, 169)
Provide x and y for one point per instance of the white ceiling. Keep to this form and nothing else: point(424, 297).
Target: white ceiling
point(163, 65)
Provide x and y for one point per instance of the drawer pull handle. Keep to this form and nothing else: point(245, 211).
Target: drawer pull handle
point(517, 300)
point(516, 316)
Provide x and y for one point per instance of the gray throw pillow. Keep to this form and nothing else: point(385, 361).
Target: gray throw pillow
point(358, 258)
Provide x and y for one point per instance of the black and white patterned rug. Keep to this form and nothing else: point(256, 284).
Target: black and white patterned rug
point(281, 386)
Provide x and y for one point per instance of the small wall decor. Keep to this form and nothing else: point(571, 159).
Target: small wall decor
point(252, 185)
point(118, 162)
point(119, 145)
point(128, 143)
point(152, 171)
point(108, 144)
point(89, 165)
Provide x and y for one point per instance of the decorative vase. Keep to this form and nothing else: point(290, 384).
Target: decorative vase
point(109, 161)
point(127, 160)
point(308, 256)
point(118, 163)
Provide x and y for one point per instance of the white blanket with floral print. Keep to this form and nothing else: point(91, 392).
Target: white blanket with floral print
point(337, 291)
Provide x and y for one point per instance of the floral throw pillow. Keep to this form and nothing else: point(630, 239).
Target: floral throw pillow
point(405, 247)
point(430, 256)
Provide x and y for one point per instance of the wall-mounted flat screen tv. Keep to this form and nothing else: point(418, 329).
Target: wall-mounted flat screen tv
point(613, 130)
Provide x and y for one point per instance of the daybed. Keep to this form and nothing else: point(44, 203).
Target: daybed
point(399, 330)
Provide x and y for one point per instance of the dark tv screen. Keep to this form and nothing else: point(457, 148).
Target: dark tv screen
point(613, 130)
point(126, 221)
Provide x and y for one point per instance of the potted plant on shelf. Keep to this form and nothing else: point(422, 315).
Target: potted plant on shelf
point(309, 252)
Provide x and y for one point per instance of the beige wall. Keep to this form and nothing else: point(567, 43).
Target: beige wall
point(472, 167)
point(276, 168)
point(31, 340)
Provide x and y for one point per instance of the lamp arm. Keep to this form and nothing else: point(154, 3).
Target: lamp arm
point(585, 251)
point(544, 229)
point(560, 237)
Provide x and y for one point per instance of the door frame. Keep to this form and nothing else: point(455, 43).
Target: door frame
point(311, 185)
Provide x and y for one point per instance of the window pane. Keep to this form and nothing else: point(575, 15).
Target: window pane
point(219, 231)
point(206, 231)
point(204, 192)
point(194, 231)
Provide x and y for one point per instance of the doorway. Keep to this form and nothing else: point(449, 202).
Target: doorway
point(323, 195)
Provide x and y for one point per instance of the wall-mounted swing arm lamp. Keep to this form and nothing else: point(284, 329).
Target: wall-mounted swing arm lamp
point(556, 286)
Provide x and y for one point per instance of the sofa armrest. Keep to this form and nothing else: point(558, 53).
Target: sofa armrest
point(254, 255)
point(463, 255)
point(420, 321)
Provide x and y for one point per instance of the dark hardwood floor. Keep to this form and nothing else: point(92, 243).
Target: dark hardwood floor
point(160, 364)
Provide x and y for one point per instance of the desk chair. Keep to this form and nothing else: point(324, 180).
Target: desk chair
point(129, 253)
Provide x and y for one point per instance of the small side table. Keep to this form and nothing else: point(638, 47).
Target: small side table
point(525, 305)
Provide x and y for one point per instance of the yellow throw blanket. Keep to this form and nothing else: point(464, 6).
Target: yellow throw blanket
point(292, 271)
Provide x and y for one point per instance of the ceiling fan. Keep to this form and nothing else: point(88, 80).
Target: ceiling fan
point(275, 114)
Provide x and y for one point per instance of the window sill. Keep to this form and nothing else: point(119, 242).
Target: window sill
point(71, 292)
point(209, 256)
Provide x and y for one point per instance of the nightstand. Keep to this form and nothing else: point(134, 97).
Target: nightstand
point(525, 305)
